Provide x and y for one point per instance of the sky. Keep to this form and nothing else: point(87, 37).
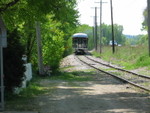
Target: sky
point(128, 13)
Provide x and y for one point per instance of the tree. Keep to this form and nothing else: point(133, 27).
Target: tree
point(53, 43)
point(118, 32)
point(7, 4)
point(24, 13)
point(107, 34)
point(145, 14)
point(13, 63)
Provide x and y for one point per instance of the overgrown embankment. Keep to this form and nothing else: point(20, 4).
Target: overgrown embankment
point(131, 57)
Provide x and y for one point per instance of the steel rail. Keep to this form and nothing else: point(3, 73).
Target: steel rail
point(122, 79)
point(144, 76)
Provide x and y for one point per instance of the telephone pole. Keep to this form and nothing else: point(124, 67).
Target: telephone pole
point(101, 34)
point(100, 26)
point(96, 28)
point(1, 81)
point(112, 26)
point(93, 32)
point(3, 44)
point(148, 21)
point(39, 48)
point(95, 36)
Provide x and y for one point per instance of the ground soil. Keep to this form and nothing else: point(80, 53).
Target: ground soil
point(102, 94)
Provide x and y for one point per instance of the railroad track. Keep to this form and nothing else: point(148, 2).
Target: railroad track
point(127, 71)
point(137, 80)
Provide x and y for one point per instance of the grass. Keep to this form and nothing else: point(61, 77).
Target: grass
point(25, 100)
point(72, 76)
point(128, 56)
point(109, 69)
point(68, 67)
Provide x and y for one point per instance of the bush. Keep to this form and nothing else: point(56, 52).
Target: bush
point(53, 44)
point(131, 57)
point(13, 64)
point(143, 61)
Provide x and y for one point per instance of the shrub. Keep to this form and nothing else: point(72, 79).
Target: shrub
point(143, 61)
point(13, 64)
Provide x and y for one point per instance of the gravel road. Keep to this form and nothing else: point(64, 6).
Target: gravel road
point(101, 94)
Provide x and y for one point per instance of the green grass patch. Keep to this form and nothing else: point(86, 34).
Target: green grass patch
point(24, 100)
point(33, 89)
point(68, 67)
point(109, 69)
point(98, 55)
point(72, 76)
point(143, 60)
point(127, 56)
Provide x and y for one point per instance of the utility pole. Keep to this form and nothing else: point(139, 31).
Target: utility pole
point(93, 33)
point(1, 81)
point(39, 48)
point(96, 28)
point(3, 44)
point(100, 26)
point(95, 37)
point(148, 21)
point(101, 34)
point(112, 26)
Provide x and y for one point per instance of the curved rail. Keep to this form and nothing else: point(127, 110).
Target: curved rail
point(144, 76)
point(122, 79)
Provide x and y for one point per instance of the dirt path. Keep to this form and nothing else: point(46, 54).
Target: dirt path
point(92, 97)
point(101, 94)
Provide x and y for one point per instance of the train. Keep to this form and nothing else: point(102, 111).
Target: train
point(80, 43)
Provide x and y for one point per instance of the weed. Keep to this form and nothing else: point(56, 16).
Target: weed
point(71, 76)
point(126, 56)
point(24, 100)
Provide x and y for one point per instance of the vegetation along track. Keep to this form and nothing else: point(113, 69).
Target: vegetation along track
point(140, 81)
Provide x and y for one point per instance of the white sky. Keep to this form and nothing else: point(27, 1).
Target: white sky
point(128, 13)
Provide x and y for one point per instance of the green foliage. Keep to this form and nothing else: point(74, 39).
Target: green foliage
point(143, 39)
point(56, 30)
point(130, 57)
point(24, 100)
point(53, 44)
point(72, 76)
point(145, 24)
point(96, 54)
point(137, 40)
point(107, 34)
point(68, 47)
point(36, 10)
point(143, 61)
point(13, 64)
point(118, 32)
point(83, 28)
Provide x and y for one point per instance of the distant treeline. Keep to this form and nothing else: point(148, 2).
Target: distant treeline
point(120, 38)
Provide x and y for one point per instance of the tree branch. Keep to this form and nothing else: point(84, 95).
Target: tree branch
point(6, 6)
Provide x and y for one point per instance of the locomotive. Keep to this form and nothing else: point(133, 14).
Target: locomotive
point(80, 43)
